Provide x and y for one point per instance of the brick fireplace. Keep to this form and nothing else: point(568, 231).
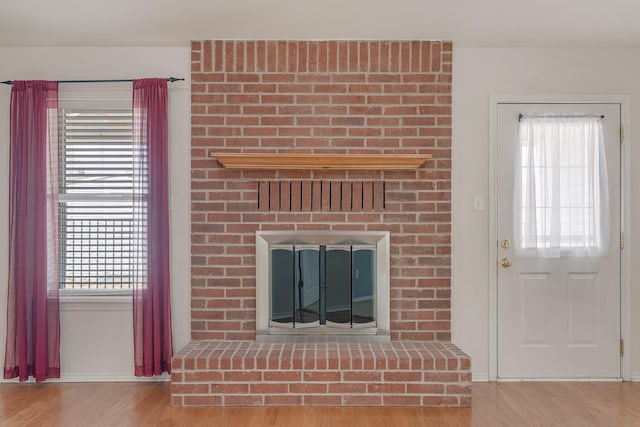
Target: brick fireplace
point(342, 97)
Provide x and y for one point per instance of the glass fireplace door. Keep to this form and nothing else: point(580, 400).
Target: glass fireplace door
point(322, 285)
point(338, 286)
point(363, 286)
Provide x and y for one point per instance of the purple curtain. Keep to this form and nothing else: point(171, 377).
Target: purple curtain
point(151, 294)
point(33, 315)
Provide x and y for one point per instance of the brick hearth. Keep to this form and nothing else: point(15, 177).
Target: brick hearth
point(241, 373)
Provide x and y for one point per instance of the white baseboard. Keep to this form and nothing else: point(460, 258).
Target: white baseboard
point(560, 380)
point(635, 377)
point(479, 378)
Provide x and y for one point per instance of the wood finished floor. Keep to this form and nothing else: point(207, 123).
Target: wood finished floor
point(147, 404)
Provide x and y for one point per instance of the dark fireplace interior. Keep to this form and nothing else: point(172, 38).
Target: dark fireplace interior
point(320, 285)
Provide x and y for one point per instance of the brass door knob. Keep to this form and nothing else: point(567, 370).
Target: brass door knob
point(505, 262)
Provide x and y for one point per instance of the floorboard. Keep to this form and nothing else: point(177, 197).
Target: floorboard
point(147, 404)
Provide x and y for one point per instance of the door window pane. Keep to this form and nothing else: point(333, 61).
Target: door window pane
point(563, 204)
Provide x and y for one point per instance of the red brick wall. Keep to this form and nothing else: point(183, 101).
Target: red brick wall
point(320, 96)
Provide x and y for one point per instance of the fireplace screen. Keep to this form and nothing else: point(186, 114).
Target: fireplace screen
point(322, 285)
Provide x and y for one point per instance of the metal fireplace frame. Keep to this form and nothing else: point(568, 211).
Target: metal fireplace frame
point(381, 240)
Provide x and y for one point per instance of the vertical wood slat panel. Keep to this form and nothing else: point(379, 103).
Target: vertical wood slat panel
point(334, 196)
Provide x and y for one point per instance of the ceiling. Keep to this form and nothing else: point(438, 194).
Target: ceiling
point(490, 23)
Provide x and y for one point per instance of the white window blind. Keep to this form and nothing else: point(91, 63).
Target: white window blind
point(96, 212)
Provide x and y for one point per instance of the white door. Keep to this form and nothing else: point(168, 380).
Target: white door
point(558, 305)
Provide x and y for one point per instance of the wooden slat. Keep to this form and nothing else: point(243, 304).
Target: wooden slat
point(320, 161)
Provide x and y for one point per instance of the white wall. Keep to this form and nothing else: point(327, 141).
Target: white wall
point(97, 334)
point(477, 73)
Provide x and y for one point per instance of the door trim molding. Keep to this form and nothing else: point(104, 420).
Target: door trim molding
point(625, 177)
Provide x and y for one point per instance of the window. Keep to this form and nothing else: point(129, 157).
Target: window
point(96, 190)
point(563, 207)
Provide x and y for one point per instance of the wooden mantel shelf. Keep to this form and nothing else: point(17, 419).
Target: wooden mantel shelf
point(320, 161)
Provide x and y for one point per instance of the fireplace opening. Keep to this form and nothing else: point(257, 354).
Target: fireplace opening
point(323, 283)
point(314, 285)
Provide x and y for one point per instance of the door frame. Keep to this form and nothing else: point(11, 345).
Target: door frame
point(625, 179)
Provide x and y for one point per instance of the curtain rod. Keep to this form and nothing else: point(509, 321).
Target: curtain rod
point(521, 116)
point(170, 80)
